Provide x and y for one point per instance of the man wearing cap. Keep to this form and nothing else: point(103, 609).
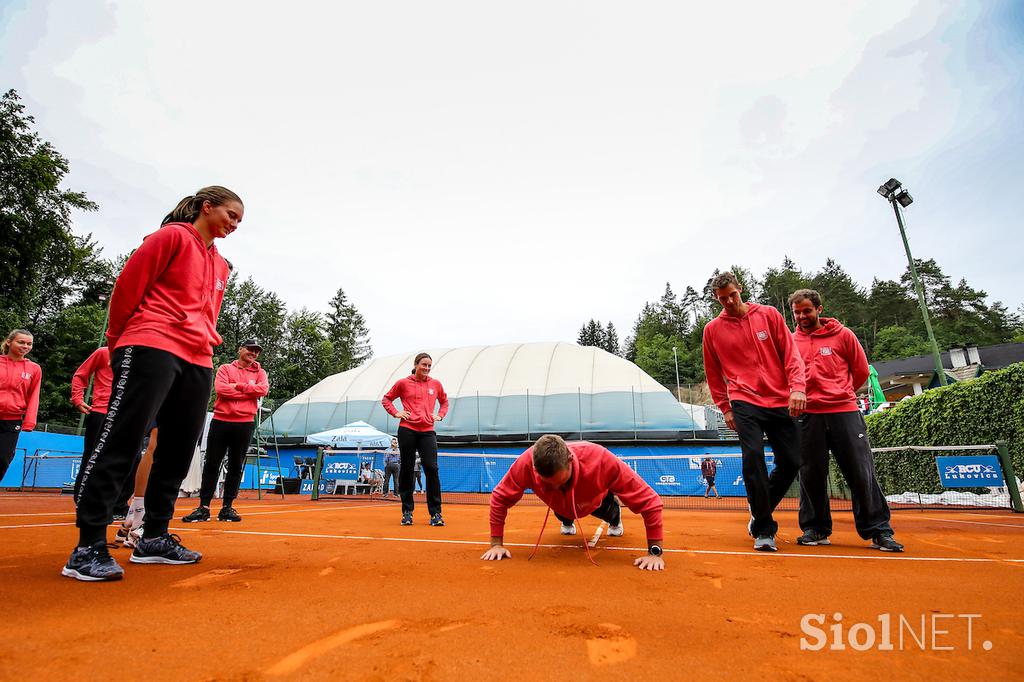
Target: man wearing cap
point(239, 386)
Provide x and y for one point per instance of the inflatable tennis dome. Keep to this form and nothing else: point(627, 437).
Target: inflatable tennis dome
point(507, 392)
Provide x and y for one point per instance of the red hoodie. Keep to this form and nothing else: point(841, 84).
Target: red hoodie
point(836, 366)
point(19, 391)
point(596, 471)
point(238, 391)
point(418, 398)
point(752, 358)
point(168, 296)
point(99, 364)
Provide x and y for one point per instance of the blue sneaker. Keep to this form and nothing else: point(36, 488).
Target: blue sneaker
point(407, 519)
point(165, 549)
point(765, 543)
point(436, 520)
point(92, 564)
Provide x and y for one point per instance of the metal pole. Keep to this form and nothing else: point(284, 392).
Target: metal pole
point(102, 342)
point(1010, 475)
point(632, 402)
point(478, 438)
point(675, 357)
point(920, 294)
point(527, 414)
point(579, 405)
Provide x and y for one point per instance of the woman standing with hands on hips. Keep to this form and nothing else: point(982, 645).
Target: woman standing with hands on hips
point(19, 393)
point(418, 393)
point(162, 331)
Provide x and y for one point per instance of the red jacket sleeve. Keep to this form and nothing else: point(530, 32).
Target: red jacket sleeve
point(792, 363)
point(639, 497)
point(32, 409)
point(858, 360)
point(713, 373)
point(260, 388)
point(505, 495)
point(225, 386)
point(143, 268)
point(80, 380)
point(442, 398)
point(386, 401)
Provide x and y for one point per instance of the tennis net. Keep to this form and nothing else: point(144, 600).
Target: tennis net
point(910, 477)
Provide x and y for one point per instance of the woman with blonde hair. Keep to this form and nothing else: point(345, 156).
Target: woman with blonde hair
point(19, 393)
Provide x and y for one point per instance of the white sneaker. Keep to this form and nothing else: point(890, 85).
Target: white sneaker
point(615, 531)
point(569, 529)
point(133, 538)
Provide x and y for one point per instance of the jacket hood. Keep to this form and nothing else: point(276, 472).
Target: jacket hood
point(830, 327)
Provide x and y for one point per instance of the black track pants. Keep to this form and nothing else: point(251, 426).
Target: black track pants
point(846, 436)
point(425, 443)
point(764, 492)
point(391, 471)
point(608, 511)
point(10, 429)
point(149, 384)
point(93, 423)
point(231, 438)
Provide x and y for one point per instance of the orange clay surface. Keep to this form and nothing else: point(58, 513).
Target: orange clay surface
point(339, 590)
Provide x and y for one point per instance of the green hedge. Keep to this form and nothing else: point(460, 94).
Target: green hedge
point(974, 412)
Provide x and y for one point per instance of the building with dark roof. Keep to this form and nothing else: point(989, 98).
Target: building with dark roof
point(911, 376)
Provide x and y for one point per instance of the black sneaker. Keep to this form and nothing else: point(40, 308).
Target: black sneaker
point(813, 537)
point(886, 544)
point(200, 513)
point(228, 514)
point(92, 564)
point(436, 520)
point(407, 519)
point(166, 549)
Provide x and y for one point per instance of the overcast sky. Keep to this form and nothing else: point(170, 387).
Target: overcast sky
point(480, 173)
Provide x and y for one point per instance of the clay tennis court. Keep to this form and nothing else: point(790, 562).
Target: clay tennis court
point(339, 590)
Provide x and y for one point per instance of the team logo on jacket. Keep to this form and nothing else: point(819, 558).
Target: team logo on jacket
point(762, 335)
point(826, 350)
point(220, 285)
point(27, 376)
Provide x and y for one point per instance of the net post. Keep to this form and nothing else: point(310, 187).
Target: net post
point(1010, 475)
point(315, 493)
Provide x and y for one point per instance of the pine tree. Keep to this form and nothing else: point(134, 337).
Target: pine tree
point(347, 332)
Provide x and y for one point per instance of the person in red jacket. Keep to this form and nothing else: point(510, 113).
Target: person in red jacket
point(573, 480)
point(419, 392)
point(756, 377)
point(239, 387)
point(836, 367)
point(19, 393)
point(96, 366)
point(161, 335)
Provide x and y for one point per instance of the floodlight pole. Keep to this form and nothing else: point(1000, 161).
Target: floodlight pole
point(102, 342)
point(920, 293)
point(678, 389)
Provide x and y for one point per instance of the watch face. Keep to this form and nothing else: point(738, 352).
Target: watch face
point(654, 550)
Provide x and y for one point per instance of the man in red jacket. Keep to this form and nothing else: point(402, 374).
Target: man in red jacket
point(239, 386)
point(756, 378)
point(577, 479)
point(836, 367)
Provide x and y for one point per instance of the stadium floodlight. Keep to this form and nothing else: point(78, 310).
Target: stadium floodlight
point(889, 191)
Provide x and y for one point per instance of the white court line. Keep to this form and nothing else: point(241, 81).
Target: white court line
point(976, 523)
point(39, 525)
point(597, 535)
point(749, 554)
point(56, 513)
point(118, 523)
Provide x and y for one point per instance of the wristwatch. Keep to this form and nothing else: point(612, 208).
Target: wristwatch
point(654, 550)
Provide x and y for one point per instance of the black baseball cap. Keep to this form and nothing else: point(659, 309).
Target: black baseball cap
point(251, 343)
